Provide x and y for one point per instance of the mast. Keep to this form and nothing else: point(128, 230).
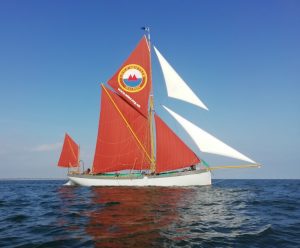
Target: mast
point(78, 167)
point(151, 107)
point(151, 121)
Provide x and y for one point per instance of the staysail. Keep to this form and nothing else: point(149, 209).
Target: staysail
point(69, 156)
point(171, 152)
point(133, 80)
point(176, 87)
point(123, 141)
point(207, 142)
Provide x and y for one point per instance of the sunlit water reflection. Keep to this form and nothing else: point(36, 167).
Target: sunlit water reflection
point(234, 213)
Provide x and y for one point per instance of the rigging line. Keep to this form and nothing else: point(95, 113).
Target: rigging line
point(124, 119)
point(234, 166)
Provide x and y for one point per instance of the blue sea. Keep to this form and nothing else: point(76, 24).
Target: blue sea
point(230, 213)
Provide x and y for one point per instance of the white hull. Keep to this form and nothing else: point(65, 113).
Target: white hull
point(192, 178)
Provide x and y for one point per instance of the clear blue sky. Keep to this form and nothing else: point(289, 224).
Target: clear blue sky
point(242, 58)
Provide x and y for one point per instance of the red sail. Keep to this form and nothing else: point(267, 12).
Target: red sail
point(171, 152)
point(69, 156)
point(123, 141)
point(133, 79)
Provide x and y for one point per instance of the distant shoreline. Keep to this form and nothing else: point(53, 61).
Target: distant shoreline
point(60, 179)
point(31, 179)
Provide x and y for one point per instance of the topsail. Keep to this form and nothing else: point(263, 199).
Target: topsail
point(133, 80)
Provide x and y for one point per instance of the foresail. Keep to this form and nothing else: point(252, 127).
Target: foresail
point(69, 156)
point(176, 87)
point(133, 80)
point(171, 152)
point(206, 142)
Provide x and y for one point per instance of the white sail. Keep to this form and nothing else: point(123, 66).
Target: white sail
point(206, 142)
point(176, 87)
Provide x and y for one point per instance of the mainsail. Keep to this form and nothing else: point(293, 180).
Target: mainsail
point(133, 80)
point(207, 142)
point(176, 87)
point(123, 141)
point(69, 156)
point(171, 152)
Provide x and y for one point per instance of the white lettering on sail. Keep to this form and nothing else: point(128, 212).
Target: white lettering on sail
point(129, 98)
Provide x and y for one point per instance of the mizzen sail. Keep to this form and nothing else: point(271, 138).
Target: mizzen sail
point(69, 156)
point(123, 141)
point(133, 80)
point(171, 152)
point(207, 142)
point(176, 86)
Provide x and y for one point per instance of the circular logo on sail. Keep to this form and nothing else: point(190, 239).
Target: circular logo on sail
point(132, 78)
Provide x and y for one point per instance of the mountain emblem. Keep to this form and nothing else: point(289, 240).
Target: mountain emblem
point(132, 78)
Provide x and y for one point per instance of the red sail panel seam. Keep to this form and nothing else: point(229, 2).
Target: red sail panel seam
point(72, 150)
point(127, 124)
point(68, 156)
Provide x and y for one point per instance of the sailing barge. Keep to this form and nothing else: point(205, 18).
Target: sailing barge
point(135, 147)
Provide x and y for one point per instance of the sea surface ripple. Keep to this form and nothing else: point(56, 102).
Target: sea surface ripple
point(230, 213)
